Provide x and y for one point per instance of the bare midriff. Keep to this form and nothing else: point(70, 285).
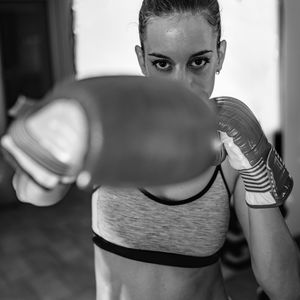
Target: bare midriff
point(119, 278)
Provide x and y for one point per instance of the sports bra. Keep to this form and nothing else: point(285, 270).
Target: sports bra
point(136, 224)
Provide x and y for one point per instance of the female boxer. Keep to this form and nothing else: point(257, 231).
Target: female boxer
point(164, 243)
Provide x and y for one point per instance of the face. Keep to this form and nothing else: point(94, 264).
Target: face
point(184, 48)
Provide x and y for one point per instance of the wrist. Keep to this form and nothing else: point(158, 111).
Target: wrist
point(261, 200)
point(256, 179)
point(268, 182)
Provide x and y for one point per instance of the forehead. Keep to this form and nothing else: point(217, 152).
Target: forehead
point(179, 33)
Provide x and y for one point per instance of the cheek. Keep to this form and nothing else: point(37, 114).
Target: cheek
point(203, 83)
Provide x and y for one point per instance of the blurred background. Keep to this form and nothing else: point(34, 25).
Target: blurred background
point(47, 253)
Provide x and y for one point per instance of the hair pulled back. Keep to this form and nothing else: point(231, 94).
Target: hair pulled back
point(160, 8)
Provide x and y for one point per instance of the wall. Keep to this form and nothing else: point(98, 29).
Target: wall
point(2, 100)
point(60, 19)
point(106, 33)
point(290, 105)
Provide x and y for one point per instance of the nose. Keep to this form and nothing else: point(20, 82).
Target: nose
point(181, 75)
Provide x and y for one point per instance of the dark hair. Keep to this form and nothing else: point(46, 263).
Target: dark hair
point(157, 8)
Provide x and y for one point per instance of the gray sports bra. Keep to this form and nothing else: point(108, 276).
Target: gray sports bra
point(138, 225)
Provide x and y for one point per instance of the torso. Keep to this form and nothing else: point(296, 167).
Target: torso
point(121, 278)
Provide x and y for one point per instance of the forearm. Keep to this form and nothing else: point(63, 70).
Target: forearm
point(275, 257)
point(264, 183)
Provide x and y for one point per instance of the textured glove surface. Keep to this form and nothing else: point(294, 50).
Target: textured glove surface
point(262, 170)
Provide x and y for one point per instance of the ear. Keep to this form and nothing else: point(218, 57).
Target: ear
point(141, 58)
point(221, 54)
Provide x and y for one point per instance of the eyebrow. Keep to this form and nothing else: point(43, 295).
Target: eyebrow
point(201, 53)
point(193, 55)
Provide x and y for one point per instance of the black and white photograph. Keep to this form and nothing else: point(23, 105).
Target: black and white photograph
point(150, 150)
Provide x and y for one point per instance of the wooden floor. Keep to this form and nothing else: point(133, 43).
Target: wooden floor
point(47, 253)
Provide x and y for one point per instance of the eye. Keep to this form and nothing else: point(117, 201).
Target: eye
point(198, 62)
point(162, 65)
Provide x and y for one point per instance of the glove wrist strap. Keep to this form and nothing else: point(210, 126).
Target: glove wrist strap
point(267, 182)
point(257, 179)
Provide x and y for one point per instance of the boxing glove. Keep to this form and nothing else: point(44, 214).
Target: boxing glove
point(29, 191)
point(115, 130)
point(266, 179)
point(47, 142)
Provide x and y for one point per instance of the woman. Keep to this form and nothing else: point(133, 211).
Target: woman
point(165, 243)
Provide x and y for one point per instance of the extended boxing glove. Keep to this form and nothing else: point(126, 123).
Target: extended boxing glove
point(47, 142)
point(44, 177)
point(116, 130)
point(266, 179)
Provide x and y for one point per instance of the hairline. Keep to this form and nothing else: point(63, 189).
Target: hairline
point(178, 13)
